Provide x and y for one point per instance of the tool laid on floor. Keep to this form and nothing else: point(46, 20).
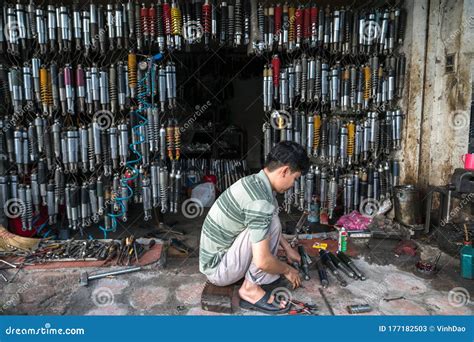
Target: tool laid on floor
point(326, 259)
point(392, 299)
point(305, 262)
point(302, 308)
point(347, 261)
point(359, 308)
point(85, 277)
point(325, 299)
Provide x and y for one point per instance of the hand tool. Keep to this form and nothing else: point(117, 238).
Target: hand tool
point(325, 299)
point(85, 277)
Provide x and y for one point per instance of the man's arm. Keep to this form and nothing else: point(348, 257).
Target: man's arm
point(267, 262)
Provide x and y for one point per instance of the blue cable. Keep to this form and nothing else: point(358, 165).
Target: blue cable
point(131, 164)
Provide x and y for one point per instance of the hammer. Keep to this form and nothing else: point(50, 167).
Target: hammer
point(85, 277)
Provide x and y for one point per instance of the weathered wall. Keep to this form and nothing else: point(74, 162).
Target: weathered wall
point(437, 102)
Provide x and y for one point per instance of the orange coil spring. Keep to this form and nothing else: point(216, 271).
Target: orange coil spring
point(176, 25)
point(367, 83)
point(316, 131)
point(177, 141)
point(291, 24)
point(170, 140)
point(132, 70)
point(350, 138)
point(44, 89)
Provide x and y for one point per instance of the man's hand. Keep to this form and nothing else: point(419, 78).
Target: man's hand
point(293, 276)
point(292, 256)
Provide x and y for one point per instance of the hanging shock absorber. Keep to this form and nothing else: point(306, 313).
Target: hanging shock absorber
point(299, 26)
point(132, 74)
point(164, 189)
point(350, 141)
point(176, 24)
point(276, 64)
point(367, 86)
point(316, 133)
point(207, 21)
point(343, 145)
point(332, 197)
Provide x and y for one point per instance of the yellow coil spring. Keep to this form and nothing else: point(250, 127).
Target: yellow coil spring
point(291, 23)
point(316, 131)
point(350, 138)
point(367, 82)
point(177, 141)
point(44, 89)
point(176, 25)
point(170, 140)
point(132, 70)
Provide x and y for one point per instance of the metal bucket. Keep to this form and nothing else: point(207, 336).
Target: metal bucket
point(407, 205)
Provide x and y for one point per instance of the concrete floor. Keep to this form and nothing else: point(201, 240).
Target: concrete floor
point(176, 289)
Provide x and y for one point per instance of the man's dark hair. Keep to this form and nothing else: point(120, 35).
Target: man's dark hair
point(288, 153)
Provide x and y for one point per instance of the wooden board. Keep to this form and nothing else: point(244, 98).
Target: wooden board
point(217, 298)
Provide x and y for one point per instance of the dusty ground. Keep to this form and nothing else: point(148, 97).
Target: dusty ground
point(176, 289)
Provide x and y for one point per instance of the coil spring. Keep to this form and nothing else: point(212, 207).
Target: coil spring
point(323, 142)
point(291, 24)
point(159, 20)
point(152, 21)
point(131, 19)
point(375, 80)
point(167, 18)
point(383, 181)
point(367, 82)
point(29, 210)
point(238, 16)
point(317, 81)
point(176, 24)
point(276, 64)
point(170, 140)
point(164, 194)
point(350, 138)
point(299, 22)
point(331, 196)
point(353, 82)
point(304, 76)
point(44, 86)
point(177, 141)
point(314, 19)
point(32, 22)
point(138, 22)
point(206, 18)
point(231, 23)
point(90, 148)
point(261, 22)
point(132, 70)
point(4, 84)
point(402, 25)
point(347, 28)
point(106, 157)
point(316, 131)
point(113, 84)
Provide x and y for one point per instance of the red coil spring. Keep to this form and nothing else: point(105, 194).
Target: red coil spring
point(278, 16)
point(276, 70)
point(314, 18)
point(167, 18)
point(144, 20)
point(299, 22)
point(152, 21)
point(206, 18)
point(307, 23)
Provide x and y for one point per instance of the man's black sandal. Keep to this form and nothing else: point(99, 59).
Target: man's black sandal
point(263, 306)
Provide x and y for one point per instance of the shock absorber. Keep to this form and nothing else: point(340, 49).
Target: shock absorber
point(304, 77)
point(146, 193)
point(276, 64)
point(132, 74)
point(323, 141)
point(324, 82)
point(346, 89)
point(225, 23)
point(367, 86)
point(291, 27)
point(350, 141)
point(299, 26)
point(310, 135)
point(343, 145)
point(397, 126)
point(332, 197)
point(311, 78)
point(170, 140)
point(144, 25)
point(348, 193)
point(123, 143)
point(316, 133)
point(332, 141)
point(167, 24)
point(164, 189)
point(317, 80)
point(207, 21)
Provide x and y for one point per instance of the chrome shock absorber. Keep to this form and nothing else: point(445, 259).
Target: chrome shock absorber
point(164, 189)
point(332, 197)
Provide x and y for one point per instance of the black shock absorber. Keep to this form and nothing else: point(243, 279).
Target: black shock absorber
point(230, 22)
point(238, 20)
point(224, 23)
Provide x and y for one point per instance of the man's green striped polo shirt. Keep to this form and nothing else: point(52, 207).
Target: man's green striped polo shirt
point(248, 203)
